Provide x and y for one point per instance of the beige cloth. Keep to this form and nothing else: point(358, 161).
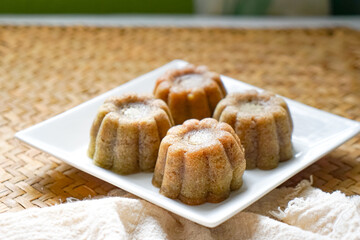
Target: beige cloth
point(287, 213)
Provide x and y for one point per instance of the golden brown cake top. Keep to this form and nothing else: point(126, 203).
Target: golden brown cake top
point(133, 106)
point(253, 102)
point(189, 77)
point(194, 134)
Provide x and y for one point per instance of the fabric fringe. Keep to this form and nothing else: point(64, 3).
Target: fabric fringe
point(280, 214)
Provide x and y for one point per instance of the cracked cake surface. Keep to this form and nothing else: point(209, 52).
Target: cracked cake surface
point(190, 92)
point(126, 133)
point(263, 123)
point(199, 161)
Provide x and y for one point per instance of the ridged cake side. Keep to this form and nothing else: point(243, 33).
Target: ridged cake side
point(263, 123)
point(197, 98)
point(204, 171)
point(125, 135)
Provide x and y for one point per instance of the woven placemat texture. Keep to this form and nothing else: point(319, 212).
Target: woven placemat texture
point(47, 70)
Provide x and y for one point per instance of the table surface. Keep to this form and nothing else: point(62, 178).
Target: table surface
point(47, 70)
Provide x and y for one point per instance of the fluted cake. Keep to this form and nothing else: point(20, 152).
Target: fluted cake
point(126, 133)
point(263, 123)
point(199, 161)
point(190, 92)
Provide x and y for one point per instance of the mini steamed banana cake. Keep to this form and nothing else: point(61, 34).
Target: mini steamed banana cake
point(190, 92)
point(263, 123)
point(199, 161)
point(126, 133)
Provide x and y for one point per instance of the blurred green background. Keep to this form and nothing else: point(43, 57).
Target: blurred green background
point(230, 7)
point(95, 6)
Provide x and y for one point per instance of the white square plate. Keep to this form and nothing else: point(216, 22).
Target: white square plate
point(66, 136)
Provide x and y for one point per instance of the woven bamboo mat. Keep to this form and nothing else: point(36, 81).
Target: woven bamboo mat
point(47, 70)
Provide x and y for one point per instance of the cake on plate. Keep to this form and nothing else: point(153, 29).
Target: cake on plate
point(199, 161)
point(126, 133)
point(263, 123)
point(190, 92)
